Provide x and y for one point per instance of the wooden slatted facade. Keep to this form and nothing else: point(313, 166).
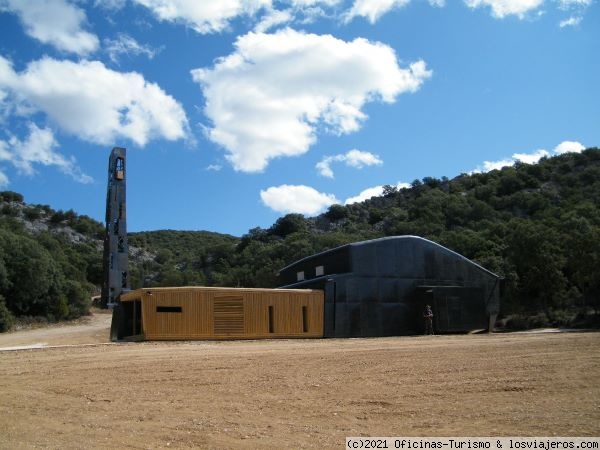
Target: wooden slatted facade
point(195, 313)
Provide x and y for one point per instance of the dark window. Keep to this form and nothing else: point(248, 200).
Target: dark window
point(271, 324)
point(168, 309)
point(304, 319)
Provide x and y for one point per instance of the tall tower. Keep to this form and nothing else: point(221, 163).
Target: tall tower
point(115, 261)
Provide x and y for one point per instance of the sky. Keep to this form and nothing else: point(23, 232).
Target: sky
point(236, 112)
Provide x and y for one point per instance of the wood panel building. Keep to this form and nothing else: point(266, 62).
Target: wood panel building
point(196, 313)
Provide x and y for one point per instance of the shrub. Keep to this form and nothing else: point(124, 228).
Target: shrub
point(6, 318)
point(78, 299)
point(33, 213)
point(9, 196)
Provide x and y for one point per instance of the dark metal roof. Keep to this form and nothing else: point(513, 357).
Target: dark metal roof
point(388, 238)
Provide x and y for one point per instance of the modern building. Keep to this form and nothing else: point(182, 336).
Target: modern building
point(371, 288)
point(380, 288)
point(196, 313)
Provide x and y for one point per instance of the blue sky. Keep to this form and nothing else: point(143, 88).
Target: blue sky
point(235, 112)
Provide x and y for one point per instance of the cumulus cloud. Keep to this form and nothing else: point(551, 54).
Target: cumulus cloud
point(531, 158)
point(372, 10)
point(39, 148)
point(93, 102)
point(127, 45)
point(569, 147)
point(203, 16)
point(54, 22)
point(503, 8)
point(495, 165)
point(375, 191)
point(268, 98)
point(354, 158)
point(296, 199)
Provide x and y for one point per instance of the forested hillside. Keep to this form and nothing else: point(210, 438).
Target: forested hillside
point(50, 262)
point(538, 226)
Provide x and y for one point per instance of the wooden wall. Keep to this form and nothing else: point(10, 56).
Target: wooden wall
point(229, 313)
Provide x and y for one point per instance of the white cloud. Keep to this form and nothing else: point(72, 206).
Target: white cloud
point(503, 8)
point(576, 8)
point(296, 199)
point(531, 158)
point(570, 22)
point(273, 19)
point(5, 154)
point(493, 165)
point(95, 103)
point(366, 194)
point(214, 167)
point(39, 148)
point(372, 10)
point(354, 158)
point(201, 15)
point(4, 181)
point(55, 22)
point(569, 147)
point(569, 4)
point(304, 3)
point(267, 99)
point(127, 45)
point(113, 5)
point(375, 191)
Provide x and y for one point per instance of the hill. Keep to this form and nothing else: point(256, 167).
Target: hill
point(50, 262)
point(538, 226)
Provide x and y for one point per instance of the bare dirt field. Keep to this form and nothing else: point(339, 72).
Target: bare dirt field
point(87, 330)
point(295, 393)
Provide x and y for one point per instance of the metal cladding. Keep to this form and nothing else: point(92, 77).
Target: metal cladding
point(380, 288)
point(115, 262)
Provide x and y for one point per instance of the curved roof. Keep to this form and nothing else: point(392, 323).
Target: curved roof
point(388, 238)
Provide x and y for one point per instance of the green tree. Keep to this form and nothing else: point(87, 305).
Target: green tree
point(34, 279)
point(6, 318)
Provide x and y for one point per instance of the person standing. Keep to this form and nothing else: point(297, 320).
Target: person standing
point(428, 316)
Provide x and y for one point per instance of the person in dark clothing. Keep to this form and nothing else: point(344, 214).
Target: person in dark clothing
point(428, 316)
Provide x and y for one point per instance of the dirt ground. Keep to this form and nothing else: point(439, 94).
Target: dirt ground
point(87, 330)
point(293, 393)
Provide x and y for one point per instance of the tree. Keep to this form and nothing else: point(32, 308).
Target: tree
point(34, 279)
point(336, 212)
point(288, 224)
point(6, 318)
point(389, 190)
